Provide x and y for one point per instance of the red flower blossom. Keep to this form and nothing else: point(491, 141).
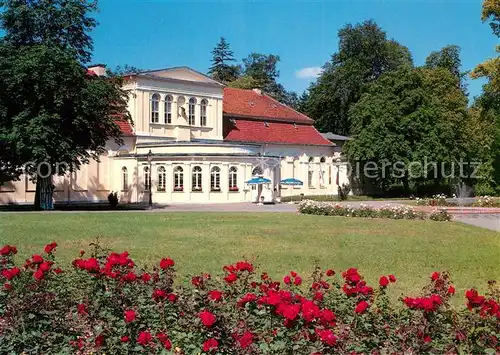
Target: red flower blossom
point(207, 318)
point(435, 275)
point(249, 297)
point(130, 315)
point(297, 281)
point(91, 265)
point(58, 271)
point(82, 309)
point(451, 290)
point(210, 344)
point(45, 266)
point(9, 274)
point(39, 275)
point(326, 336)
point(50, 247)
point(215, 295)
point(197, 281)
point(318, 296)
point(351, 275)
point(146, 277)
point(7, 286)
point(159, 294)
point(166, 263)
point(37, 259)
point(330, 272)
point(383, 282)
point(129, 277)
point(172, 297)
point(124, 339)
point(287, 280)
point(427, 339)
point(428, 304)
point(361, 307)
point(163, 338)
point(144, 338)
point(232, 277)
point(7, 250)
point(244, 266)
point(99, 341)
point(392, 278)
point(245, 340)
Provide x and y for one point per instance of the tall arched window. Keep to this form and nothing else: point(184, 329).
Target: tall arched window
point(155, 108)
point(197, 178)
point(147, 178)
point(191, 114)
point(322, 171)
point(233, 178)
point(124, 179)
point(257, 171)
point(215, 179)
point(168, 109)
point(162, 178)
point(203, 118)
point(310, 172)
point(178, 179)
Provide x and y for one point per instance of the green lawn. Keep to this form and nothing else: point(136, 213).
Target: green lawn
point(280, 242)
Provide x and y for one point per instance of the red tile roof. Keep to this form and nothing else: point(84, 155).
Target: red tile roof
point(125, 127)
point(256, 131)
point(248, 103)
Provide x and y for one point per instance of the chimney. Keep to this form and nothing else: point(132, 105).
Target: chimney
point(258, 91)
point(98, 69)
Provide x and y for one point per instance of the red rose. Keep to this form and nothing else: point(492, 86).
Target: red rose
point(146, 277)
point(197, 281)
point(50, 247)
point(287, 280)
point(318, 296)
point(435, 275)
point(215, 295)
point(244, 266)
point(158, 294)
point(361, 307)
point(330, 272)
point(37, 259)
point(91, 264)
point(166, 263)
point(326, 336)
point(10, 274)
point(451, 290)
point(210, 344)
point(231, 278)
point(163, 338)
point(427, 339)
point(172, 297)
point(99, 341)
point(129, 316)
point(58, 270)
point(297, 281)
point(130, 277)
point(392, 278)
point(39, 275)
point(124, 339)
point(45, 266)
point(207, 318)
point(383, 282)
point(82, 309)
point(246, 340)
point(144, 338)
point(7, 286)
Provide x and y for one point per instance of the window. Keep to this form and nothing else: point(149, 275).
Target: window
point(168, 109)
point(124, 179)
point(162, 178)
point(257, 171)
point(196, 178)
point(191, 116)
point(178, 179)
point(147, 178)
point(155, 108)
point(322, 171)
point(215, 179)
point(233, 179)
point(310, 173)
point(203, 118)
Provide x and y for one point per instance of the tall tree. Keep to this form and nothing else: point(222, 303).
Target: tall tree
point(54, 115)
point(221, 68)
point(409, 115)
point(448, 58)
point(364, 55)
point(491, 12)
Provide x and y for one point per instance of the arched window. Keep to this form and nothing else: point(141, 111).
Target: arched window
point(178, 179)
point(203, 118)
point(124, 179)
point(310, 173)
point(197, 178)
point(215, 179)
point(191, 115)
point(147, 178)
point(322, 172)
point(257, 171)
point(162, 178)
point(155, 108)
point(168, 109)
point(233, 179)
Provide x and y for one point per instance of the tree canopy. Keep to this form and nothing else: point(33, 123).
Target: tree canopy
point(221, 68)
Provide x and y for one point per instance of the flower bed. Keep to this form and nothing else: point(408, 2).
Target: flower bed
point(107, 304)
point(387, 211)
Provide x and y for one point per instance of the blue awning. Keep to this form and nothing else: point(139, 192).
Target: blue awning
point(291, 181)
point(258, 181)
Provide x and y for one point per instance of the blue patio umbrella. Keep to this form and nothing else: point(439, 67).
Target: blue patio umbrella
point(258, 181)
point(291, 181)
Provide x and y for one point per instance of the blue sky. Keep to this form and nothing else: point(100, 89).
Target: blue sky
point(161, 33)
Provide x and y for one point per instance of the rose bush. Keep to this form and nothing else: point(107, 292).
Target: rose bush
point(366, 211)
point(107, 304)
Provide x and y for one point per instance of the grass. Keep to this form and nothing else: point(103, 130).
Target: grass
point(280, 242)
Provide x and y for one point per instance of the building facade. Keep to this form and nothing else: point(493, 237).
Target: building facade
point(195, 140)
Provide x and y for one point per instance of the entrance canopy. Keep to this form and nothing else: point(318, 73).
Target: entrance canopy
point(258, 181)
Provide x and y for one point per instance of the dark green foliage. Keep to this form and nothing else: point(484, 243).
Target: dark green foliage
point(221, 68)
point(113, 199)
point(364, 54)
point(448, 58)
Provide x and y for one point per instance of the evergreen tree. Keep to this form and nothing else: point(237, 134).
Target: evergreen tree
point(221, 68)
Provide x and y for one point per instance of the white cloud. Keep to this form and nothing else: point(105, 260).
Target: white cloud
point(308, 73)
